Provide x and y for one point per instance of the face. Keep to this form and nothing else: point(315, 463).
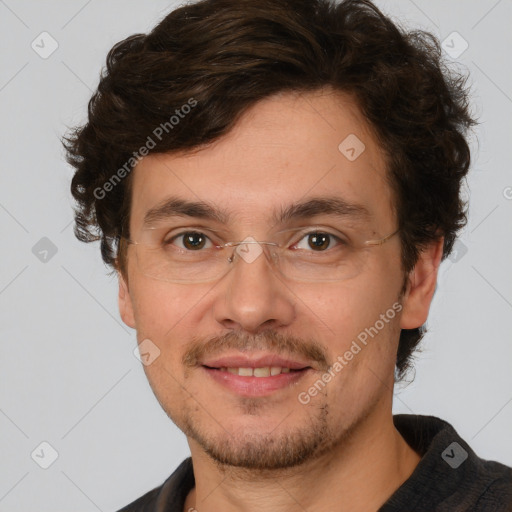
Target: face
point(338, 338)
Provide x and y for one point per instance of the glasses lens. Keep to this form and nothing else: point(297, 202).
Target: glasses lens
point(168, 264)
point(340, 263)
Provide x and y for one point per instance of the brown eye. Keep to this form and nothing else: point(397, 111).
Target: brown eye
point(318, 240)
point(190, 240)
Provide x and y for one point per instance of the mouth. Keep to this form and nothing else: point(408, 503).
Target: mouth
point(257, 377)
point(263, 371)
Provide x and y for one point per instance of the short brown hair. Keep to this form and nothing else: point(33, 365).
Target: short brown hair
point(227, 55)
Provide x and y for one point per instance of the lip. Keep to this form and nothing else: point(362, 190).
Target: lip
point(255, 386)
point(244, 361)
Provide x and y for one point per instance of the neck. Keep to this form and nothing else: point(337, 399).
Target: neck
point(358, 476)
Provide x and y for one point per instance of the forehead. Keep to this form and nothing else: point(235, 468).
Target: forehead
point(283, 150)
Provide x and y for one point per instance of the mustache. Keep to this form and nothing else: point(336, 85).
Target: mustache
point(270, 341)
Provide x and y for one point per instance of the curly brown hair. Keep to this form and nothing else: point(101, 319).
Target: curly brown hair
point(226, 55)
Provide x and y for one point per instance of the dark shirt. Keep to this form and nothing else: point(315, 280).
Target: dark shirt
point(449, 477)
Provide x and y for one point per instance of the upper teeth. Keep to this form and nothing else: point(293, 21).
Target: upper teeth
point(266, 371)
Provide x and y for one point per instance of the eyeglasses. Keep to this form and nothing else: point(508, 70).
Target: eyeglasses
point(202, 258)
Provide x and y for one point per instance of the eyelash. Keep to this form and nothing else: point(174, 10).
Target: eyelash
point(303, 235)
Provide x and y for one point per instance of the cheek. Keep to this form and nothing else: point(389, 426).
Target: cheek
point(358, 323)
point(164, 313)
point(362, 338)
point(343, 310)
point(158, 306)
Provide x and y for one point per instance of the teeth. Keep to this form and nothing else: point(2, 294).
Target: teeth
point(266, 371)
point(262, 372)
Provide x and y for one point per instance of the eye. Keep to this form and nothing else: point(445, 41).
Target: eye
point(189, 240)
point(319, 241)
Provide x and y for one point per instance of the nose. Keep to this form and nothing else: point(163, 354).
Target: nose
point(253, 296)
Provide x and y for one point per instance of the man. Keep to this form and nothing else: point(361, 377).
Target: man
point(276, 183)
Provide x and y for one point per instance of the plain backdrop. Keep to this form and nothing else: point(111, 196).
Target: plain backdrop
point(68, 375)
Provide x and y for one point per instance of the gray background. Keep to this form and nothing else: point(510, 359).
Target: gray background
point(67, 370)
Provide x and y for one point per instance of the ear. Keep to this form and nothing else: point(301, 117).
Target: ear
point(421, 286)
point(125, 302)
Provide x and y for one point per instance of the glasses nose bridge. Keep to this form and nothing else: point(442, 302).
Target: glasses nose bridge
point(249, 255)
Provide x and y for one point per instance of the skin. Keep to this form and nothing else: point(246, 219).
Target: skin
point(349, 456)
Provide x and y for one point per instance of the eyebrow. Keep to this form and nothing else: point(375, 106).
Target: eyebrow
point(315, 206)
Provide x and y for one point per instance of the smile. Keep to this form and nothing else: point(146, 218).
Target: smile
point(265, 371)
point(255, 382)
